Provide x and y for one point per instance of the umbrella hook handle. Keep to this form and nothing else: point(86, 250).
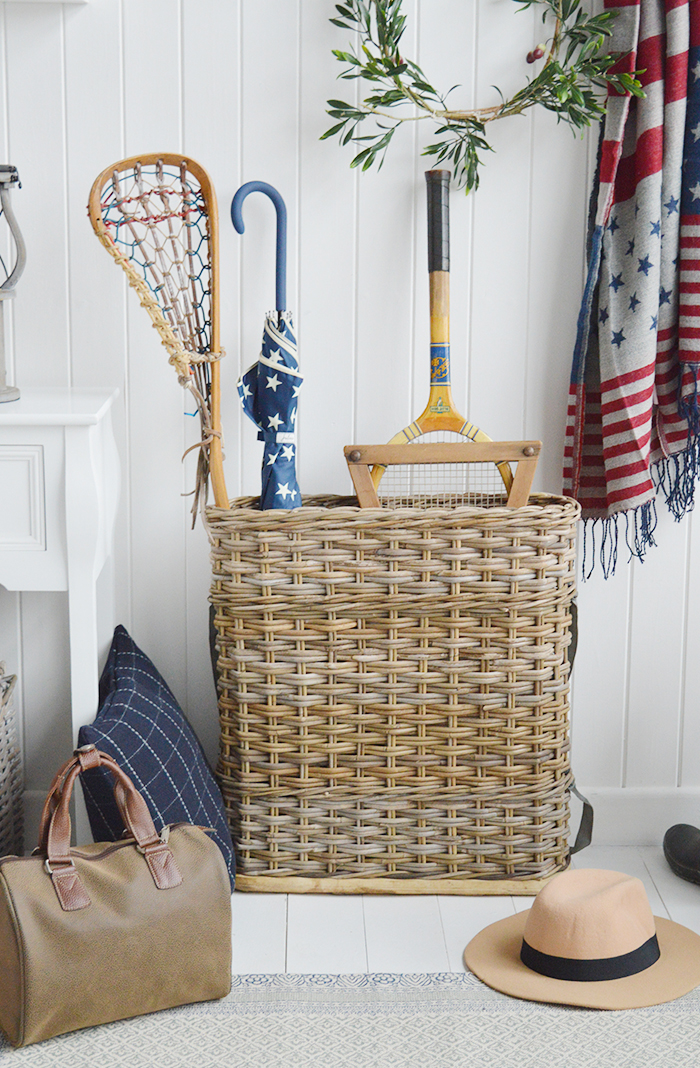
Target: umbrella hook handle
point(281, 261)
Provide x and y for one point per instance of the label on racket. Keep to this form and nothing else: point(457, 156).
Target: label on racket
point(439, 365)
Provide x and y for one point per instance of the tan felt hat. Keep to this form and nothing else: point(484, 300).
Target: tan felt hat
point(590, 939)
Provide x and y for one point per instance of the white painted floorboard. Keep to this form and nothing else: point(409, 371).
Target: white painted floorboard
point(464, 917)
point(326, 934)
point(404, 934)
point(259, 923)
point(345, 934)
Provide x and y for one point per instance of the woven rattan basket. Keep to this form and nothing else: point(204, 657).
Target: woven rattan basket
point(11, 811)
point(394, 694)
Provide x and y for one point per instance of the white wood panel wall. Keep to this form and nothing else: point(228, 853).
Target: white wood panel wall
point(241, 85)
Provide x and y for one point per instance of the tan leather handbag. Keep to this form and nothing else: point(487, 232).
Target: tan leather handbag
point(112, 929)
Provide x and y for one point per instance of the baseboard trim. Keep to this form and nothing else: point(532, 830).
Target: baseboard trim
point(640, 815)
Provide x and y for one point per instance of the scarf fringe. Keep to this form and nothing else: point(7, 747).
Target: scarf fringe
point(677, 476)
point(640, 525)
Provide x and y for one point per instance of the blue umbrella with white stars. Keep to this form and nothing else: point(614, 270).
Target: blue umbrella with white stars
point(269, 390)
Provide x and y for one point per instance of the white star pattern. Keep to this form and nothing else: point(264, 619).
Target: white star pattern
point(276, 356)
point(271, 458)
point(273, 383)
point(295, 391)
point(246, 390)
point(274, 421)
point(696, 71)
point(284, 491)
point(288, 452)
point(696, 191)
point(293, 417)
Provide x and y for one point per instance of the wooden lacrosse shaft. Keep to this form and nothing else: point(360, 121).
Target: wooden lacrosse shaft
point(216, 452)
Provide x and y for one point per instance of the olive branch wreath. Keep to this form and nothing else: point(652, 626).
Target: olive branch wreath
point(575, 73)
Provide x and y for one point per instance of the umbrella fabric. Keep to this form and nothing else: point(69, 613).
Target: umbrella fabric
point(632, 425)
point(269, 391)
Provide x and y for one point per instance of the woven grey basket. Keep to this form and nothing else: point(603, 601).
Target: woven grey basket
point(394, 694)
point(11, 805)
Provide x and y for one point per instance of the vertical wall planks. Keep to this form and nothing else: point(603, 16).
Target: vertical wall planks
point(153, 122)
point(269, 153)
point(211, 100)
point(447, 55)
point(656, 658)
point(556, 254)
point(689, 740)
point(45, 686)
point(600, 677)
point(241, 85)
point(94, 139)
point(498, 345)
point(97, 291)
point(210, 42)
point(327, 265)
point(386, 253)
point(35, 78)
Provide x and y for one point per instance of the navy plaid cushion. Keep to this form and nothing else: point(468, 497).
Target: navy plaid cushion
point(140, 725)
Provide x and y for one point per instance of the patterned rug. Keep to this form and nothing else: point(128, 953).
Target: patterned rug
point(379, 1021)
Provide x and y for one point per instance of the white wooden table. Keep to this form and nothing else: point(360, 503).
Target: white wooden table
point(59, 488)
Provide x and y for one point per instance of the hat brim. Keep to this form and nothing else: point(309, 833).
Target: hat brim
point(494, 956)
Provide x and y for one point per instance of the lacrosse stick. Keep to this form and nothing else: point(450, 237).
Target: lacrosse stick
point(157, 216)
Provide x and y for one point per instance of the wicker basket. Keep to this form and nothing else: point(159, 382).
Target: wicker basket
point(394, 694)
point(11, 804)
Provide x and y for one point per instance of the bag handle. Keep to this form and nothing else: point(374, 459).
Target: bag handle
point(55, 829)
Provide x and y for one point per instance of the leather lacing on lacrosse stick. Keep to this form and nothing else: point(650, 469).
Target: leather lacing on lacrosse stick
point(157, 217)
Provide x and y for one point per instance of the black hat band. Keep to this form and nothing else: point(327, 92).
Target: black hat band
point(591, 971)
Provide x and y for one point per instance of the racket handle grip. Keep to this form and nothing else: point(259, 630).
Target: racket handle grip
point(438, 220)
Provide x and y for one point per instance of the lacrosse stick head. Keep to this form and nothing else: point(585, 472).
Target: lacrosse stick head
point(156, 215)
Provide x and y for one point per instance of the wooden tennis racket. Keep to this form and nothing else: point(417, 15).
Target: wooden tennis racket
point(440, 421)
point(157, 217)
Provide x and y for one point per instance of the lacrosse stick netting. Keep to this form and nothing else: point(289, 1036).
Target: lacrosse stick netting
point(157, 217)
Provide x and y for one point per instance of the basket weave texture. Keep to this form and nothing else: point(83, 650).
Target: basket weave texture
point(394, 687)
point(11, 784)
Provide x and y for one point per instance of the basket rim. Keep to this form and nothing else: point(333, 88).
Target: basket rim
point(341, 506)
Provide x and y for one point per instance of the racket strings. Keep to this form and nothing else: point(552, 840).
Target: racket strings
point(435, 485)
point(441, 485)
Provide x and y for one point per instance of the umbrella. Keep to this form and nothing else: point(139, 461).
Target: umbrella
point(270, 388)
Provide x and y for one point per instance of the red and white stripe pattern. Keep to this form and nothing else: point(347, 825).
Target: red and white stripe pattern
point(624, 401)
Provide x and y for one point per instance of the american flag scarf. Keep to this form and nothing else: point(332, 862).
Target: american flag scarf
point(633, 424)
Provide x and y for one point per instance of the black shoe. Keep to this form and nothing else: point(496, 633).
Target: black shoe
point(682, 851)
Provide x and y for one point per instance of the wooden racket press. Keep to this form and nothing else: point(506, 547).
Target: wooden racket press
point(361, 459)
